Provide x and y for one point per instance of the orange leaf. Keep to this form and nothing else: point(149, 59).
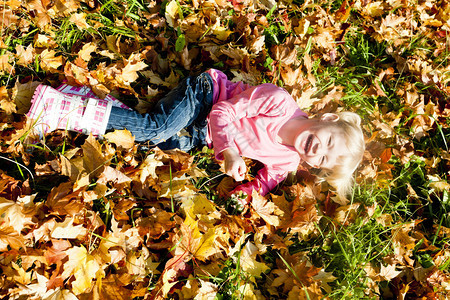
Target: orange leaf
point(386, 155)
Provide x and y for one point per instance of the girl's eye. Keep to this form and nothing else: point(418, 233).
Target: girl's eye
point(329, 141)
point(322, 160)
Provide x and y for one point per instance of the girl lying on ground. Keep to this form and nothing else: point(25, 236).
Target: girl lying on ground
point(260, 122)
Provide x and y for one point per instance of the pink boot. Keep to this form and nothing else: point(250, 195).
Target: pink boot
point(52, 110)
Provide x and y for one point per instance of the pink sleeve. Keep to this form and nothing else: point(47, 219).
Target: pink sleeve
point(264, 182)
point(265, 99)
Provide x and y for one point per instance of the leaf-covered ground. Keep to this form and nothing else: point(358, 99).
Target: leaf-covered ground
point(87, 219)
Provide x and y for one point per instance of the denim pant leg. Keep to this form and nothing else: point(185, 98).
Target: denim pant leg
point(186, 106)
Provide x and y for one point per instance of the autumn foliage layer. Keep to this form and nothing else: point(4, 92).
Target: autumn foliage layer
point(87, 218)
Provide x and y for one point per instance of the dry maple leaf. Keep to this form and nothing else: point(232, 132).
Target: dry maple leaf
point(49, 61)
point(389, 272)
point(42, 17)
point(122, 138)
point(248, 260)
point(66, 230)
point(79, 19)
point(132, 66)
point(83, 266)
point(25, 56)
point(86, 50)
point(156, 224)
point(13, 212)
point(9, 237)
point(148, 167)
point(403, 243)
point(56, 253)
point(266, 209)
point(300, 273)
point(22, 94)
point(141, 264)
point(63, 200)
point(93, 158)
point(113, 287)
point(199, 246)
point(171, 12)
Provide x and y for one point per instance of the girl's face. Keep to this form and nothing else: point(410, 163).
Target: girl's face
point(320, 144)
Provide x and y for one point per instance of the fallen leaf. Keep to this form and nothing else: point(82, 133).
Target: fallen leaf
point(267, 210)
point(9, 237)
point(122, 138)
point(66, 230)
point(49, 61)
point(389, 272)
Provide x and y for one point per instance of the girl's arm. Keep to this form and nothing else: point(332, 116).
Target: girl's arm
point(266, 99)
point(234, 164)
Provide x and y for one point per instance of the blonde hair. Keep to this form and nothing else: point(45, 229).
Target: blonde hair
point(341, 176)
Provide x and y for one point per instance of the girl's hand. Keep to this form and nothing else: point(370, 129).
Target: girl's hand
point(234, 164)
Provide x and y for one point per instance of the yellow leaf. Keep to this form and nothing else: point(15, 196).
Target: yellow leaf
point(200, 246)
point(66, 230)
point(24, 56)
point(439, 184)
point(168, 282)
point(122, 138)
point(222, 33)
point(86, 50)
point(247, 292)
point(69, 168)
point(171, 12)
point(49, 61)
point(84, 276)
point(375, 9)
point(248, 260)
point(79, 19)
point(93, 158)
point(140, 263)
point(43, 41)
point(206, 246)
point(83, 266)
point(8, 106)
point(12, 213)
point(5, 64)
point(81, 182)
point(268, 211)
point(148, 167)
point(42, 17)
point(208, 290)
point(133, 65)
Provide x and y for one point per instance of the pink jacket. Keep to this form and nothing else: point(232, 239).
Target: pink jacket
point(248, 118)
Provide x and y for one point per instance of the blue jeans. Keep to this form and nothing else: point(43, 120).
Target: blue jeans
point(185, 107)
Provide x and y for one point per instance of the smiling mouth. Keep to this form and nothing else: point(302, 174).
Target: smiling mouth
point(308, 143)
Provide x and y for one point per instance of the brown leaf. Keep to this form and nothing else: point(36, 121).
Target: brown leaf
point(22, 94)
point(156, 224)
point(56, 252)
point(93, 158)
point(49, 168)
point(10, 237)
point(42, 17)
point(63, 200)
